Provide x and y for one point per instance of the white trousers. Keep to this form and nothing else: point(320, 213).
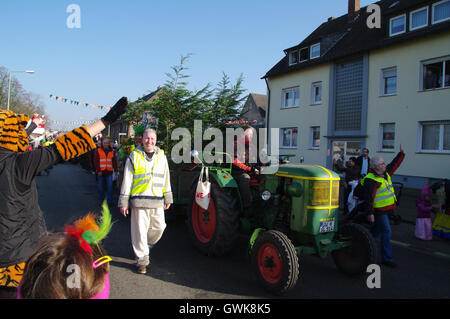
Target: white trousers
point(147, 227)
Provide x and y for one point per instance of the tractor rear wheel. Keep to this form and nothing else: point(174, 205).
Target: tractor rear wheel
point(275, 261)
point(354, 259)
point(214, 231)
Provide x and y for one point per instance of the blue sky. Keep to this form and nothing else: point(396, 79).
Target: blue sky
point(124, 48)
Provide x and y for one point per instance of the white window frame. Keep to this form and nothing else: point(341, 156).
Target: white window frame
point(390, 25)
point(314, 85)
point(411, 28)
point(283, 94)
point(290, 146)
point(423, 64)
point(383, 81)
point(290, 57)
point(380, 137)
point(299, 55)
point(311, 138)
point(432, 12)
point(311, 51)
point(440, 149)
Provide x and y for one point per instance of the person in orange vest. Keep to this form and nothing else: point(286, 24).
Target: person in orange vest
point(105, 163)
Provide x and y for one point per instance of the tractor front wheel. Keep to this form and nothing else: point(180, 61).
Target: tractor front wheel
point(354, 259)
point(275, 261)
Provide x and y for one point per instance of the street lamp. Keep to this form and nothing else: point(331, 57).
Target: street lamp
point(9, 84)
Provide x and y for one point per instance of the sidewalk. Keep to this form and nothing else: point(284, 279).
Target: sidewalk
point(403, 234)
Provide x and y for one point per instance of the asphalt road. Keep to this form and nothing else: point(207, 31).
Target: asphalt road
point(178, 271)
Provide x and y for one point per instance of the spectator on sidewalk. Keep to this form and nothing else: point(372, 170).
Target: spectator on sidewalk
point(363, 162)
point(379, 201)
point(424, 206)
point(105, 166)
point(441, 224)
point(22, 224)
point(50, 271)
point(352, 176)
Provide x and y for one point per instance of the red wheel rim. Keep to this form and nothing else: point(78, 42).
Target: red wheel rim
point(269, 263)
point(204, 221)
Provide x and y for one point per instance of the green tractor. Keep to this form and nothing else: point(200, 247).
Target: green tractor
point(295, 213)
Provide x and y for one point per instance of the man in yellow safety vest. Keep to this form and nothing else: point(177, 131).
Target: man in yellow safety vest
point(147, 191)
point(379, 201)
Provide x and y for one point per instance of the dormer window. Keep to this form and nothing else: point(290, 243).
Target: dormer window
point(315, 51)
point(418, 19)
point(441, 11)
point(397, 25)
point(304, 54)
point(293, 57)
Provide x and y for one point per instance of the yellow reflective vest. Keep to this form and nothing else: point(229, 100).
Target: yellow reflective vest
point(385, 195)
point(149, 178)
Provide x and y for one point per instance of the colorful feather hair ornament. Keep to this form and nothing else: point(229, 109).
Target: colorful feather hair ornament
point(88, 232)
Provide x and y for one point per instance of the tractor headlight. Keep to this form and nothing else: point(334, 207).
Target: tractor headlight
point(265, 195)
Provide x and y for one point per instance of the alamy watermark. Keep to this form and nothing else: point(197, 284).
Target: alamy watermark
point(235, 140)
point(374, 279)
point(74, 19)
point(374, 19)
point(73, 281)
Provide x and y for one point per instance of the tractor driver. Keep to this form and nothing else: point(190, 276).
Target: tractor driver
point(242, 170)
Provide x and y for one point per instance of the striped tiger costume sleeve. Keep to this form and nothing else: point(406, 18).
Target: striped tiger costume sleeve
point(12, 275)
point(12, 134)
point(74, 143)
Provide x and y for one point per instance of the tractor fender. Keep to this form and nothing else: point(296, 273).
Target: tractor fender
point(224, 179)
point(253, 238)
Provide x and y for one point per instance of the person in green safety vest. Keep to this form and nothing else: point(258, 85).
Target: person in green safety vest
point(146, 191)
point(379, 201)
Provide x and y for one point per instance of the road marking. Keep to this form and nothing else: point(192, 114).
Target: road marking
point(400, 243)
point(441, 254)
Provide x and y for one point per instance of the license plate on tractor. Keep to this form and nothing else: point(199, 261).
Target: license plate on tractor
point(326, 226)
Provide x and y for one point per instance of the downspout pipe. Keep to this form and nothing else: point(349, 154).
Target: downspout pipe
point(268, 116)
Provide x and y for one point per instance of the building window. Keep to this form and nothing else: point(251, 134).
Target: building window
point(315, 137)
point(441, 11)
point(293, 57)
point(435, 137)
point(316, 93)
point(388, 81)
point(436, 74)
point(315, 51)
point(387, 137)
point(418, 19)
point(289, 137)
point(397, 25)
point(290, 98)
point(304, 54)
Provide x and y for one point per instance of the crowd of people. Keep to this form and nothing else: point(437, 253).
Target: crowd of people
point(31, 259)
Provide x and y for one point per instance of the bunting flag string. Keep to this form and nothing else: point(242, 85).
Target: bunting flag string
point(78, 103)
point(69, 122)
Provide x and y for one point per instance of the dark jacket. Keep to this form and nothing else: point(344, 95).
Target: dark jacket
point(359, 162)
point(351, 173)
point(21, 221)
point(370, 188)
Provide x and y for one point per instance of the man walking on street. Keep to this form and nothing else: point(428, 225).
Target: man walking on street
point(147, 191)
point(380, 201)
point(105, 163)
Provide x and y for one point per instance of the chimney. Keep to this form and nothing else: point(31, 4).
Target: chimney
point(353, 9)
